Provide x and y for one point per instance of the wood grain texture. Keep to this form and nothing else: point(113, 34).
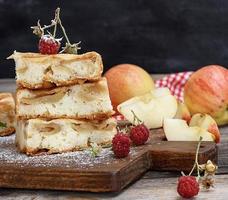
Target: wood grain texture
point(146, 188)
point(180, 156)
point(223, 150)
point(153, 185)
point(97, 175)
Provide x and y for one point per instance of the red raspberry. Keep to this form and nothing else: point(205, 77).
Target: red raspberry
point(49, 45)
point(139, 134)
point(121, 145)
point(187, 186)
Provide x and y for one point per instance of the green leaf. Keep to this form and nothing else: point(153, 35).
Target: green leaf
point(95, 149)
point(2, 125)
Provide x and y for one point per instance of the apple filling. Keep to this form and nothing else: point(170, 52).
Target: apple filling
point(75, 101)
point(33, 69)
point(59, 135)
point(51, 128)
point(49, 96)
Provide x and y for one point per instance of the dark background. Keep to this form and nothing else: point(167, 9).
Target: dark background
point(162, 36)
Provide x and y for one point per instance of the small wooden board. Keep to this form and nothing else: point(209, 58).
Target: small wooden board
point(79, 171)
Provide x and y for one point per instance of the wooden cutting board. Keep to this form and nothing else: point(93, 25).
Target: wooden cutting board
point(79, 171)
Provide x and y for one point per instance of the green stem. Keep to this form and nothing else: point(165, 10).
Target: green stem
point(57, 11)
point(182, 173)
point(197, 153)
point(196, 164)
point(49, 26)
point(118, 128)
point(63, 29)
point(136, 118)
point(3, 125)
point(192, 169)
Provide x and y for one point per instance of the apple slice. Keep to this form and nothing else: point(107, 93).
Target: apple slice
point(151, 108)
point(183, 112)
point(206, 122)
point(178, 130)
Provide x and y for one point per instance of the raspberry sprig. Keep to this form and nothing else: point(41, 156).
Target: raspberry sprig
point(137, 134)
point(189, 186)
point(48, 44)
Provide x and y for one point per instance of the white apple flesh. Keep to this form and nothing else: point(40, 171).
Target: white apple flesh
point(183, 112)
point(151, 108)
point(178, 130)
point(208, 123)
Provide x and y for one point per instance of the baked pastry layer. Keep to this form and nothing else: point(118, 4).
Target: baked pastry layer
point(7, 114)
point(86, 101)
point(34, 70)
point(60, 135)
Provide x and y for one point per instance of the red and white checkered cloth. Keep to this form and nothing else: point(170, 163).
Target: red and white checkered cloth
point(175, 82)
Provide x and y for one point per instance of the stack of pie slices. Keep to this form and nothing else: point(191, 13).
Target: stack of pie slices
point(7, 114)
point(62, 103)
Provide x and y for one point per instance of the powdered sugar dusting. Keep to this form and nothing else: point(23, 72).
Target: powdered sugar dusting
point(79, 159)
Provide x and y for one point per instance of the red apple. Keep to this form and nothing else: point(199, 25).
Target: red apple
point(206, 91)
point(126, 81)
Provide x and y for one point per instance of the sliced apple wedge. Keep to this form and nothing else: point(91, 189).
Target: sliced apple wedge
point(178, 130)
point(151, 108)
point(183, 112)
point(206, 122)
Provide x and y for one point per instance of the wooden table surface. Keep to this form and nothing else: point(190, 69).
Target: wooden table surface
point(153, 185)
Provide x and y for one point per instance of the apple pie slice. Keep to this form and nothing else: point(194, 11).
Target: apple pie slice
point(35, 136)
point(87, 101)
point(34, 70)
point(7, 114)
